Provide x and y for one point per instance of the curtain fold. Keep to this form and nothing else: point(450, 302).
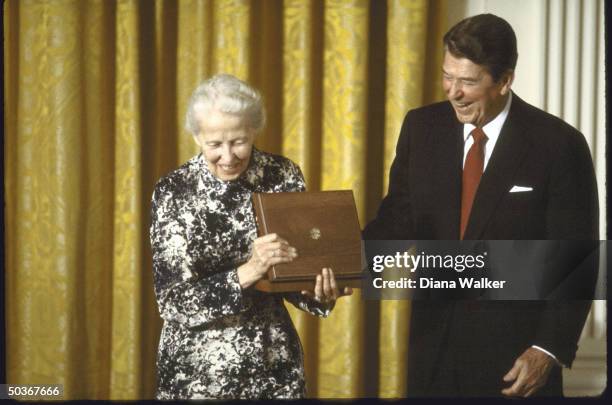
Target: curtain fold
point(44, 243)
point(407, 34)
point(96, 190)
point(231, 29)
point(343, 167)
point(194, 62)
point(95, 97)
point(126, 348)
point(301, 127)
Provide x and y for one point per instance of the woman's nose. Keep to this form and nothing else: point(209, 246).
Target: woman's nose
point(226, 153)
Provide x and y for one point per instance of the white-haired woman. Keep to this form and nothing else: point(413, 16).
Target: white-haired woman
point(221, 338)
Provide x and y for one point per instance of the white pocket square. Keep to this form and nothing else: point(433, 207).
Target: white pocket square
point(520, 189)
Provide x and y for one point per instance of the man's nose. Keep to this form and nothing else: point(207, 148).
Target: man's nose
point(455, 91)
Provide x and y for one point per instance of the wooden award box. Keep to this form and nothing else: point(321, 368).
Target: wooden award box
point(322, 226)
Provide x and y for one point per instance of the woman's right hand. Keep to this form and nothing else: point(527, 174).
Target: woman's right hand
point(267, 251)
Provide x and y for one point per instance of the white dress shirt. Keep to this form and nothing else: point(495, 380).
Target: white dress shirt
point(491, 130)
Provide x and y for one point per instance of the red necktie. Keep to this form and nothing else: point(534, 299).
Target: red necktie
point(472, 172)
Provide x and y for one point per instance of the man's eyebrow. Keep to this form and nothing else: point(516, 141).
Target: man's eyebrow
point(468, 78)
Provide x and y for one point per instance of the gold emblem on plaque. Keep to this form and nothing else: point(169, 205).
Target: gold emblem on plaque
point(315, 233)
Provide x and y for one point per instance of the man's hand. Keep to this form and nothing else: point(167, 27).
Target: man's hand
point(529, 373)
point(326, 289)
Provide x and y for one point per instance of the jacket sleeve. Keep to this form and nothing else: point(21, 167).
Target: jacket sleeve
point(183, 296)
point(309, 305)
point(573, 217)
point(393, 219)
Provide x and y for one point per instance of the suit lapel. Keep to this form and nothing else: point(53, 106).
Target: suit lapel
point(497, 179)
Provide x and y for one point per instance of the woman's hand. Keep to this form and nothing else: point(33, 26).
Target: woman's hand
point(267, 251)
point(326, 289)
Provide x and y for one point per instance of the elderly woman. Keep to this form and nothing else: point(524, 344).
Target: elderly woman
point(221, 338)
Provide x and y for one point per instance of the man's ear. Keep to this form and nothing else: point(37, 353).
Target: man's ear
point(506, 82)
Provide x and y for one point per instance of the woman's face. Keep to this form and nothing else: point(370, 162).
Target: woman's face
point(226, 142)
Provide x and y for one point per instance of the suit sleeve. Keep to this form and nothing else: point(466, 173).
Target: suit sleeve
point(393, 220)
point(572, 215)
point(309, 305)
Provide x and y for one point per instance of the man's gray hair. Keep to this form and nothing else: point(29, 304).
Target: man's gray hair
point(227, 94)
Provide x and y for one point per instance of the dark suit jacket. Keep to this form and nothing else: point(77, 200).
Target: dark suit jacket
point(534, 149)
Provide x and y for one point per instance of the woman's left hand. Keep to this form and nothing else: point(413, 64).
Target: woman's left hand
point(326, 290)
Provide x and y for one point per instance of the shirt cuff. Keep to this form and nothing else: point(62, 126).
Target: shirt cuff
point(550, 354)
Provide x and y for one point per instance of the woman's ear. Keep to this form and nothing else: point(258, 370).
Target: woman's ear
point(196, 139)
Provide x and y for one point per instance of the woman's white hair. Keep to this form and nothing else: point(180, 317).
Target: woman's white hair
point(227, 94)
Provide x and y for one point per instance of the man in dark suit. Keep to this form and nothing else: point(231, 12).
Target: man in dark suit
point(485, 165)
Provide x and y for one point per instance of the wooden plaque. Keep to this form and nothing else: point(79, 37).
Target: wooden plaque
point(322, 226)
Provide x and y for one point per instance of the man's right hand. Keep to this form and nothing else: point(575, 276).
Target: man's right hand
point(267, 251)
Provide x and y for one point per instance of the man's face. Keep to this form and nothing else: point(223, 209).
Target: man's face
point(470, 88)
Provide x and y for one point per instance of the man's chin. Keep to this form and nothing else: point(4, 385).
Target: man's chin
point(464, 119)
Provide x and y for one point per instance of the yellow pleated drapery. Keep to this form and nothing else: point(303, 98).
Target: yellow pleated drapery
point(95, 94)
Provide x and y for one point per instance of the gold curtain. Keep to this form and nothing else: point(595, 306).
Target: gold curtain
point(95, 93)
